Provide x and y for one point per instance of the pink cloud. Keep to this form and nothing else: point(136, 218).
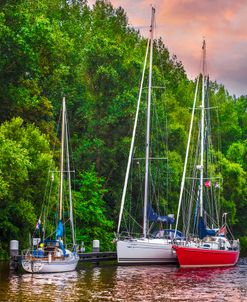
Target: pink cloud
point(183, 23)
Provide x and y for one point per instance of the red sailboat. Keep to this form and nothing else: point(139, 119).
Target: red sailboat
point(203, 246)
point(200, 257)
point(211, 251)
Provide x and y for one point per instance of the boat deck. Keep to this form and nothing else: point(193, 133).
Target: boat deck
point(93, 257)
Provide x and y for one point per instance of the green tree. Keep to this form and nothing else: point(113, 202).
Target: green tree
point(24, 162)
point(90, 211)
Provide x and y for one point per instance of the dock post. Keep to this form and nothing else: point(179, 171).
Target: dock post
point(96, 246)
point(14, 251)
point(82, 250)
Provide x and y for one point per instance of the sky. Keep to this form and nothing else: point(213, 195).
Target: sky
point(183, 24)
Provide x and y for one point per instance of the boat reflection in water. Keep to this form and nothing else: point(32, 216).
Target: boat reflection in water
point(127, 283)
point(44, 287)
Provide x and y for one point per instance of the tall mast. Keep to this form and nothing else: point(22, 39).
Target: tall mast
point(148, 127)
point(61, 164)
point(202, 126)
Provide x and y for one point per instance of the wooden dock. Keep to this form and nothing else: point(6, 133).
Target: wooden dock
point(97, 256)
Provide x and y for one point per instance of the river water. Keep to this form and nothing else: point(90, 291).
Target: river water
point(109, 282)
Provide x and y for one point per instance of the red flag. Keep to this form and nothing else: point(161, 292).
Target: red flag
point(207, 183)
point(222, 231)
point(38, 224)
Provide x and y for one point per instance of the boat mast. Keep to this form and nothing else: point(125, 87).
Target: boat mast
point(148, 127)
point(69, 181)
point(61, 164)
point(202, 126)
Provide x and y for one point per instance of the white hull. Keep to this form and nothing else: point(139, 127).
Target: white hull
point(145, 251)
point(44, 266)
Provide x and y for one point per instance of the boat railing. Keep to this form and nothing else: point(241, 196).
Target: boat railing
point(71, 247)
point(235, 244)
point(40, 253)
point(208, 243)
point(128, 236)
point(26, 252)
point(183, 242)
point(31, 254)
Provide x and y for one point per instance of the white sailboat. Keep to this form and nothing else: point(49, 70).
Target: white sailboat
point(51, 255)
point(145, 248)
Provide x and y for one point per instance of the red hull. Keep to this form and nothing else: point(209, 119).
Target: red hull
point(198, 257)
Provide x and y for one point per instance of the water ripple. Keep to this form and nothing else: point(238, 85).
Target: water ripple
point(127, 283)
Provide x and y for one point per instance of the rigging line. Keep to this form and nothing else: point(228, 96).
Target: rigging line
point(69, 180)
point(51, 161)
point(150, 158)
point(155, 87)
point(229, 230)
point(45, 210)
point(208, 192)
point(55, 171)
point(218, 206)
point(166, 152)
point(196, 213)
point(161, 131)
point(186, 157)
point(219, 148)
point(154, 190)
point(212, 161)
point(125, 222)
point(159, 53)
point(154, 150)
point(193, 185)
point(133, 219)
point(206, 108)
point(212, 220)
point(129, 228)
point(209, 178)
point(155, 184)
point(132, 141)
point(71, 162)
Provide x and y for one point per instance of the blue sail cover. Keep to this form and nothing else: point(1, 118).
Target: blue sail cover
point(203, 231)
point(153, 216)
point(59, 231)
point(61, 245)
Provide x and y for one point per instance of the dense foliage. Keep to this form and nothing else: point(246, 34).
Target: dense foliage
point(92, 56)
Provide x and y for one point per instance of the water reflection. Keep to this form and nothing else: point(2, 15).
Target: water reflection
point(127, 283)
point(45, 287)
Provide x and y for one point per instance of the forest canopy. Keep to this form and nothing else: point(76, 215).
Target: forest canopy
point(55, 48)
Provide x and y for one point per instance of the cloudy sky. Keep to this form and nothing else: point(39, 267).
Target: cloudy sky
point(183, 23)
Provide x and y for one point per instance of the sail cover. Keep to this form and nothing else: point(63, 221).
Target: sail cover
point(153, 216)
point(203, 231)
point(59, 231)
